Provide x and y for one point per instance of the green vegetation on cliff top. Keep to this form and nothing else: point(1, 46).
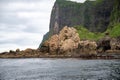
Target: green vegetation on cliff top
point(115, 31)
point(86, 34)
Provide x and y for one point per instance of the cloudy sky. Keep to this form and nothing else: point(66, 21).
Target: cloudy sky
point(24, 22)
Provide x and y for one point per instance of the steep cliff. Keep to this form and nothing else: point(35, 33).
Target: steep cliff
point(93, 15)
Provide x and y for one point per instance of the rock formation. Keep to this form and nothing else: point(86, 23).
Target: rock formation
point(115, 43)
point(87, 47)
point(68, 42)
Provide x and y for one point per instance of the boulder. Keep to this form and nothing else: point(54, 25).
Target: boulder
point(115, 43)
point(69, 33)
point(88, 47)
point(29, 50)
point(67, 46)
point(104, 44)
point(69, 39)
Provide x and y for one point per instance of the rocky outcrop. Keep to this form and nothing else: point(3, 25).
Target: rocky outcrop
point(108, 44)
point(68, 42)
point(87, 47)
point(115, 43)
point(69, 39)
point(104, 44)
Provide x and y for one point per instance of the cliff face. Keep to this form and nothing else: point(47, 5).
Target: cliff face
point(93, 15)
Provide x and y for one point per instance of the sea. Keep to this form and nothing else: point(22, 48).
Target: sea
point(59, 69)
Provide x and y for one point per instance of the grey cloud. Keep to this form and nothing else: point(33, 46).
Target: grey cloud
point(11, 20)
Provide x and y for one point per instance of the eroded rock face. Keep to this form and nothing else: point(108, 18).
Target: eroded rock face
point(115, 43)
point(67, 40)
point(104, 44)
point(53, 44)
point(88, 47)
point(69, 33)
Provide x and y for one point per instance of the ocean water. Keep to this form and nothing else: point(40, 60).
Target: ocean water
point(59, 69)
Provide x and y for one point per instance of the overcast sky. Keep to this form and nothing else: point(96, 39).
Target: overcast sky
point(24, 22)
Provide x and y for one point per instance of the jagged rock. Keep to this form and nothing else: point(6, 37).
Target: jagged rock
point(45, 47)
point(69, 33)
point(104, 44)
point(53, 43)
point(115, 43)
point(67, 40)
point(88, 47)
point(67, 46)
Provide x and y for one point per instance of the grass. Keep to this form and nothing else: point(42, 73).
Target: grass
point(114, 31)
point(86, 34)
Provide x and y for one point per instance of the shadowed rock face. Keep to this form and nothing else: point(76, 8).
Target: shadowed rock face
point(108, 43)
point(104, 44)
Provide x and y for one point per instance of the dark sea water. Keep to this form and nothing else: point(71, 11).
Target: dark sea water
point(59, 69)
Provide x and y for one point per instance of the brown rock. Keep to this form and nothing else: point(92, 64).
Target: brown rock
point(67, 40)
point(88, 47)
point(67, 45)
point(115, 44)
point(104, 43)
point(28, 50)
point(53, 43)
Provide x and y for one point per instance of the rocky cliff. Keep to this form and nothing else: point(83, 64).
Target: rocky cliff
point(93, 15)
point(67, 42)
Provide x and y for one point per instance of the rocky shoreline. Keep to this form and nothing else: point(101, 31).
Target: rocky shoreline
point(45, 55)
point(32, 53)
point(67, 44)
